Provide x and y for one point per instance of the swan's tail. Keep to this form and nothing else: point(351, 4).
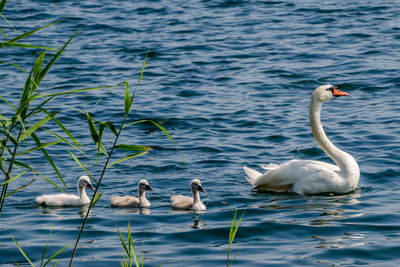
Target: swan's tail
point(251, 175)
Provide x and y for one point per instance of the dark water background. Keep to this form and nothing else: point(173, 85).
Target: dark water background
point(231, 82)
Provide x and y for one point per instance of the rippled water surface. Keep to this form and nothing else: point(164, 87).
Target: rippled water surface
point(231, 82)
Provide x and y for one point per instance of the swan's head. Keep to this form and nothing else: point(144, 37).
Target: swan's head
point(144, 185)
point(327, 92)
point(195, 185)
point(84, 182)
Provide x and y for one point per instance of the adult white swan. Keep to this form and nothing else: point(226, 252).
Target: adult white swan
point(310, 176)
point(59, 200)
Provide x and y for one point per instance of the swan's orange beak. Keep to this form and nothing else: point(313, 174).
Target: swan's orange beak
point(337, 92)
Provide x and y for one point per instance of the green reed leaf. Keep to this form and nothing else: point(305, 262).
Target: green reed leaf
point(22, 252)
point(127, 99)
point(75, 91)
point(2, 4)
point(12, 179)
point(96, 198)
point(38, 147)
point(9, 44)
point(128, 157)
point(64, 129)
point(49, 159)
point(24, 35)
point(20, 188)
point(15, 65)
point(22, 164)
point(111, 126)
point(82, 165)
point(36, 126)
point(93, 130)
point(132, 147)
point(56, 56)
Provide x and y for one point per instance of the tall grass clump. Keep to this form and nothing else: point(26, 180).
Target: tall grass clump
point(24, 123)
point(129, 250)
point(44, 261)
point(21, 120)
point(97, 128)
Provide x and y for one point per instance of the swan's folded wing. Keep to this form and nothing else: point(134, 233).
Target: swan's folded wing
point(269, 166)
point(251, 175)
point(283, 178)
point(180, 202)
point(125, 201)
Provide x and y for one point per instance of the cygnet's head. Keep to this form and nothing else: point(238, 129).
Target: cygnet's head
point(84, 181)
point(195, 185)
point(144, 185)
point(327, 92)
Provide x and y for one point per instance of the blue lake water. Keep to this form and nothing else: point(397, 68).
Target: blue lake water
point(231, 82)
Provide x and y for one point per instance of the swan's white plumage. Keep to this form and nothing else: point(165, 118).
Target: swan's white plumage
point(310, 176)
point(131, 201)
point(68, 199)
point(180, 202)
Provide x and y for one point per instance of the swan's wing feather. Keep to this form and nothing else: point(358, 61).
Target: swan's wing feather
point(295, 174)
point(58, 200)
point(251, 175)
point(180, 202)
point(125, 201)
point(269, 166)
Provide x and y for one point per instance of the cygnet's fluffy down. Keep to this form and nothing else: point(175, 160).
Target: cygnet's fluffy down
point(129, 201)
point(194, 203)
point(59, 200)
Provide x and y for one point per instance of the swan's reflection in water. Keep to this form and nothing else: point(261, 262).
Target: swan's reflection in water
point(196, 223)
point(331, 208)
point(346, 240)
point(142, 211)
point(56, 211)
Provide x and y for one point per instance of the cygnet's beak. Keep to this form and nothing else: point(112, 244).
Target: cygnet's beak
point(148, 188)
point(90, 186)
point(200, 188)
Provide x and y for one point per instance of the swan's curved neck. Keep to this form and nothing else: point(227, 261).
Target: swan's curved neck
point(142, 195)
point(344, 161)
point(82, 192)
point(196, 197)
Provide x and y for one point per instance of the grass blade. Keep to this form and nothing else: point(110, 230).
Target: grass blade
point(12, 179)
point(38, 147)
point(123, 241)
point(22, 251)
point(132, 147)
point(20, 188)
point(55, 255)
point(93, 129)
point(96, 198)
point(49, 159)
point(15, 65)
point(9, 44)
point(81, 164)
point(128, 157)
point(2, 4)
point(36, 126)
point(24, 35)
point(45, 247)
point(127, 99)
point(110, 126)
point(76, 91)
point(56, 56)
